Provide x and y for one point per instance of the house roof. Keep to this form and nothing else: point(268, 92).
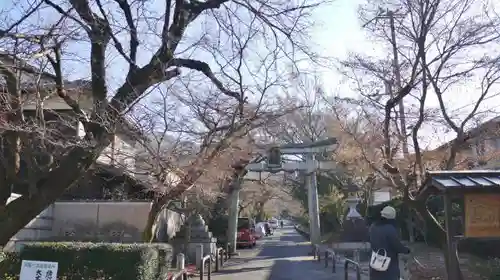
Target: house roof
point(475, 132)
point(32, 77)
point(466, 180)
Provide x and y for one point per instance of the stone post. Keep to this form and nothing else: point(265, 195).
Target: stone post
point(199, 255)
point(181, 261)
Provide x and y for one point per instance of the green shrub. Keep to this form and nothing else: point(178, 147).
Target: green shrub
point(89, 261)
point(218, 227)
point(488, 269)
point(9, 262)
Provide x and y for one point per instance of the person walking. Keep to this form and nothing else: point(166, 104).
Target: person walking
point(386, 247)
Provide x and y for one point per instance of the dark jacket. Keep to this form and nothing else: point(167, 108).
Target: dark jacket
point(384, 235)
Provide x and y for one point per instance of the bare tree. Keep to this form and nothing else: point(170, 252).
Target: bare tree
point(438, 53)
point(255, 195)
point(230, 77)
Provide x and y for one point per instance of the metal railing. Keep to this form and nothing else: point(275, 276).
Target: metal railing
point(356, 266)
point(180, 275)
point(204, 260)
point(329, 254)
point(316, 253)
point(219, 258)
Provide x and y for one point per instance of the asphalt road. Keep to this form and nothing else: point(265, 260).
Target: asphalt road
point(283, 256)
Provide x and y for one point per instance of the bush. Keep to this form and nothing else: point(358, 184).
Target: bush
point(96, 261)
point(218, 227)
point(9, 262)
point(488, 269)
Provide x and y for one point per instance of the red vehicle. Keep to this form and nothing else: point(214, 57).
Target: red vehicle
point(245, 237)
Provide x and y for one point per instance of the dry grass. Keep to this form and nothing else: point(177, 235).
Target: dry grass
point(433, 264)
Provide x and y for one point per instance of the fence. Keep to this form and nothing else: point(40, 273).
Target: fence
point(328, 254)
point(206, 261)
point(357, 267)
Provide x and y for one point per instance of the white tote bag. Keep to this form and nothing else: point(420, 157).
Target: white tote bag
point(380, 262)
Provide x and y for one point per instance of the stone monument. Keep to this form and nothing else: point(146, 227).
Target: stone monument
point(199, 234)
point(353, 242)
point(354, 228)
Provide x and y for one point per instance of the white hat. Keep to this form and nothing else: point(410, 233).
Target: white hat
point(388, 212)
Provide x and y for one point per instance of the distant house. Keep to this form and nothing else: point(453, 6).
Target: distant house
point(481, 148)
point(113, 176)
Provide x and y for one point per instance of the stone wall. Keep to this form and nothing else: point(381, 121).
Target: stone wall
point(97, 221)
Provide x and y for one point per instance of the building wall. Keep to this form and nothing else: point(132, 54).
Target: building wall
point(121, 152)
point(102, 221)
point(54, 102)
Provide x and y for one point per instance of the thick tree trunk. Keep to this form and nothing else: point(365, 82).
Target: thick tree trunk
point(21, 211)
point(9, 167)
point(156, 207)
point(160, 202)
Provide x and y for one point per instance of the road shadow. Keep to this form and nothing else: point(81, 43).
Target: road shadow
point(298, 269)
point(281, 250)
point(291, 238)
point(227, 271)
point(235, 261)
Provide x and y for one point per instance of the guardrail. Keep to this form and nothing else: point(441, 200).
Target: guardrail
point(204, 260)
point(219, 258)
point(181, 275)
point(328, 254)
point(356, 266)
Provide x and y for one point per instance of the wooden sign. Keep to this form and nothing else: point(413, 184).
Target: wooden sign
point(482, 215)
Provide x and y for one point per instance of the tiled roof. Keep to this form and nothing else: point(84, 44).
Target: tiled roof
point(463, 180)
point(32, 77)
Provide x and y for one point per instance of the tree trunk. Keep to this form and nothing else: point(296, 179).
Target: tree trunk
point(156, 207)
point(163, 199)
point(21, 211)
point(9, 168)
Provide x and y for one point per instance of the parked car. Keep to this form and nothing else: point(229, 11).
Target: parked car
point(246, 239)
point(246, 233)
point(260, 230)
point(268, 229)
point(273, 223)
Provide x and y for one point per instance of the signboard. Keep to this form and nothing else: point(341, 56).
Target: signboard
point(482, 215)
point(38, 270)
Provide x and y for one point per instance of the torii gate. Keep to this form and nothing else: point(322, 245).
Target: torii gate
point(274, 165)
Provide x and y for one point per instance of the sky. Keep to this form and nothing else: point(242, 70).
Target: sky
point(336, 32)
point(339, 32)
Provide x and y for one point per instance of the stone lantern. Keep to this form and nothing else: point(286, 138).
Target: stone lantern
point(352, 202)
point(354, 226)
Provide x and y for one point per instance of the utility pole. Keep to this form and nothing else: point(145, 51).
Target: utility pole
point(397, 76)
point(402, 117)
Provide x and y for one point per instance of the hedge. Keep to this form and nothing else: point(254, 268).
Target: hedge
point(110, 261)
